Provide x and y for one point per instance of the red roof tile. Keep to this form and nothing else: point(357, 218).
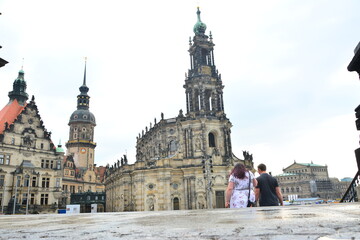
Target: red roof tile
point(9, 113)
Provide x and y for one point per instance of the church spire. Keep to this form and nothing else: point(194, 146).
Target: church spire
point(83, 97)
point(19, 89)
point(84, 83)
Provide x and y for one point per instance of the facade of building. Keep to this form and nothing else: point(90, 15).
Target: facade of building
point(30, 165)
point(181, 162)
point(308, 180)
point(80, 173)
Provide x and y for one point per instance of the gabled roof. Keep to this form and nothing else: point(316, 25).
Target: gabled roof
point(101, 172)
point(9, 113)
point(297, 165)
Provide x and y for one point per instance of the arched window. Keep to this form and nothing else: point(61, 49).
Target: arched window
point(172, 146)
point(176, 203)
point(211, 140)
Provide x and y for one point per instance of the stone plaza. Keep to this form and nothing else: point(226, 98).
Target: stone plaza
point(323, 222)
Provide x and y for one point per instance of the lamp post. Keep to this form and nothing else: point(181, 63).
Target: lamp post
point(207, 170)
point(3, 197)
point(28, 194)
point(16, 185)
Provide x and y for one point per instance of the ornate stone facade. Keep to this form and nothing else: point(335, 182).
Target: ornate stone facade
point(306, 180)
point(30, 165)
point(181, 162)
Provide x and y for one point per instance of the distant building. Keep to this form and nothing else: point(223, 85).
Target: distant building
point(182, 162)
point(80, 173)
point(309, 180)
point(30, 166)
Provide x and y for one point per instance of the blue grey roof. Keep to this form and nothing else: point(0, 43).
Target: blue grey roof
point(82, 115)
point(27, 164)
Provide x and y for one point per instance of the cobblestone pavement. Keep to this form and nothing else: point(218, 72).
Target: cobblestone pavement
point(323, 222)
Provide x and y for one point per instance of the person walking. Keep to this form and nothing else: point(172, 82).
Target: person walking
point(267, 191)
point(241, 182)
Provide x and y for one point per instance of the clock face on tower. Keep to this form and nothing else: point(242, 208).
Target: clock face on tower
point(83, 150)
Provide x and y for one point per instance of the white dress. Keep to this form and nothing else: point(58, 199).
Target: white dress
point(239, 196)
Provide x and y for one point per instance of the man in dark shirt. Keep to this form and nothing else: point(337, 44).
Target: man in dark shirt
point(267, 190)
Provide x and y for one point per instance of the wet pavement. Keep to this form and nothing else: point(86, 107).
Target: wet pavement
point(323, 222)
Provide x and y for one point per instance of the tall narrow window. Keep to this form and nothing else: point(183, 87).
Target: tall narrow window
point(27, 181)
point(2, 156)
point(199, 102)
point(33, 182)
point(211, 140)
point(47, 163)
point(220, 199)
point(176, 204)
point(2, 180)
point(7, 160)
point(57, 182)
point(172, 146)
point(32, 198)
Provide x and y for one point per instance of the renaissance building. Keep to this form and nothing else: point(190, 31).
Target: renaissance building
point(181, 162)
point(30, 164)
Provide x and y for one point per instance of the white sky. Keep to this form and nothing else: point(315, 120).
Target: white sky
point(283, 63)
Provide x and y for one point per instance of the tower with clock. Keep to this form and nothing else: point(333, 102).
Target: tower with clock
point(81, 143)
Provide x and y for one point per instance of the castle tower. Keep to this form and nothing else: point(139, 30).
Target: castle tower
point(19, 89)
point(204, 95)
point(81, 143)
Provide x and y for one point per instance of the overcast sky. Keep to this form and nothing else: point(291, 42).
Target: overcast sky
point(287, 91)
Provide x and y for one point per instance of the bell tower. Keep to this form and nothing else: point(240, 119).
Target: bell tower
point(203, 85)
point(82, 122)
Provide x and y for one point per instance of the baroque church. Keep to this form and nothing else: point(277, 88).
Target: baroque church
point(181, 162)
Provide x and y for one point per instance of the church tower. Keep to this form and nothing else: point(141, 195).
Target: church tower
point(204, 99)
point(204, 95)
point(81, 143)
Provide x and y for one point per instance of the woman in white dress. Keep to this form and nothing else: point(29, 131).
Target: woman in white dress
point(237, 191)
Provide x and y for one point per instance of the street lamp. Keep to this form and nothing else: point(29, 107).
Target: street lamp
point(2, 201)
point(28, 193)
point(16, 185)
point(207, 170)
